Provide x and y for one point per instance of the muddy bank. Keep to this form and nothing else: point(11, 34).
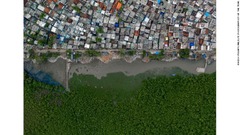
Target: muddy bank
point(99, 69)
point(55, 70)
point(38, 74)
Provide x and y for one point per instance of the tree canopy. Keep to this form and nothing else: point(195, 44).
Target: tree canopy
point(163, 105)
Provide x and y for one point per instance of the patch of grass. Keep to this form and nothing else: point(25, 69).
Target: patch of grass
point(184, 53)
point(131, 52)
point(42, 15)
point(77, 9)
point(98, 39)
point(99, 30)
point(92, 53)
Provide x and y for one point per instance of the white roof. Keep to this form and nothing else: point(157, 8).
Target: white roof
point(199, 14)
point(50, 19)
point(46, 16)
point(113, 36)
point(87, 46)
point(74, 12)
point(146, 19)
point(92, 28)
point(27, 16)
point(192, 47)
point(126, 38)
point(40, 7)
point(176, 25)
point(54, 29)
point(203, 48)
point(102, 12)
point(96, 4)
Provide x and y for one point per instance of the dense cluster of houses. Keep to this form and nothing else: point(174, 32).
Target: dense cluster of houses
point(121, 24)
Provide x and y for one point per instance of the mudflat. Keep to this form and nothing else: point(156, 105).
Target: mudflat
point(99, 69)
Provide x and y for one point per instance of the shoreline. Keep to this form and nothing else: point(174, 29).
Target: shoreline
point(100, 69)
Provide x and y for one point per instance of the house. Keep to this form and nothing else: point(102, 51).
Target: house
point(41, 8)
point(47, 10)
point(60, 6)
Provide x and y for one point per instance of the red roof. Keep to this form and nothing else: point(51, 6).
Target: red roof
point(102, 6)
point(60, 6)
point(185, 33)
point(76, 1)
point(114, 6)
point(69, 20)
point(136, 33)
point(119, 5)
point(201, 41)
point(149, 3)
point(207, 31)
point(170, 34)
point(47, 10)
point(49, 1)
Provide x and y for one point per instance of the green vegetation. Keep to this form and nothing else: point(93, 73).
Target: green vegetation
point(98, 39)
point(92, 53)
point(185, 9)
point(120, 19)
point(77, 9)
point(68, 53)
point(31, 54)
point(122, 52)
point(42, 15)
point(52, 54)
point(52, 40)
point(144, 53)
point(47, 24)
point(42, 57)
point(77, 55)
point(162, 105)
point(157, 56)
point(30, 41)
point(121, 9)
point(99, 30)
point(131, 52)
point(42, 42)
point(35, 35)
point(184, 53)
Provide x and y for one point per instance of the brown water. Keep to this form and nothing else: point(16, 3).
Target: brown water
point(99, 69)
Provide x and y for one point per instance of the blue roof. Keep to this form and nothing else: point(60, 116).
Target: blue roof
point(116, 25)
point(159, 1)
point(207, 14)
point(204, 55)
point(157, 53)
point(58, 36)
point(191, 44)
point(162, 13)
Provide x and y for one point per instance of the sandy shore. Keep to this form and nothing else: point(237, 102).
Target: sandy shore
point(99, 69)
